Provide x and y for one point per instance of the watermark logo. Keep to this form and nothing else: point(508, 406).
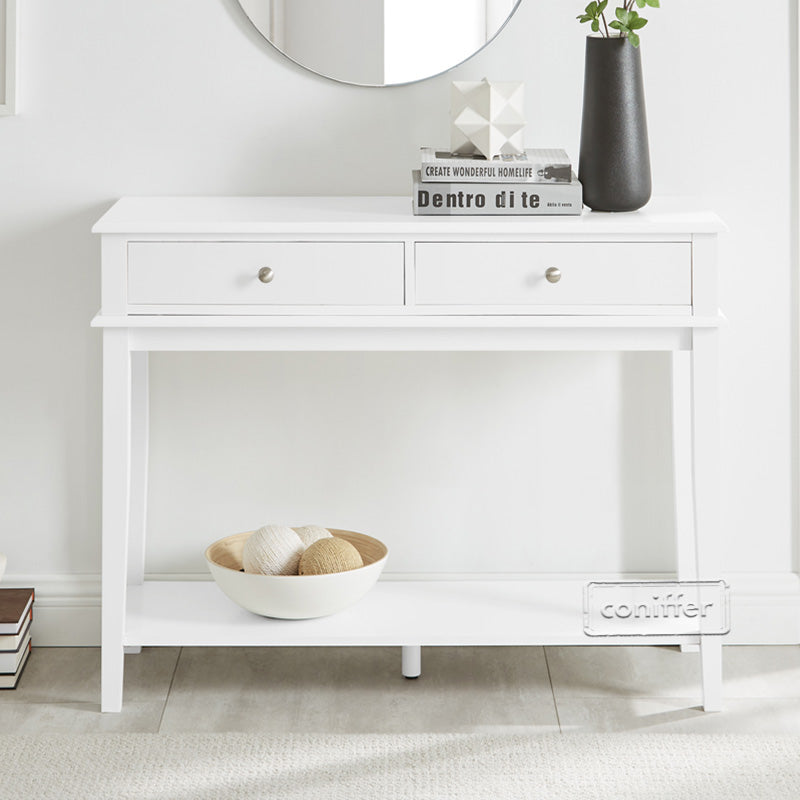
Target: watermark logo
point(656, 608)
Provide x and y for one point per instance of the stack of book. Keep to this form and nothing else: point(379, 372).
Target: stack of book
point(16, 618)
point(535, 182)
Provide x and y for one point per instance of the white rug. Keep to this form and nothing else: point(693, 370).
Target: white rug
point(407, 767)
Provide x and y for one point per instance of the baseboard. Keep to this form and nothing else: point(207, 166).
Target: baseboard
point(765, 607)
point(66, 611)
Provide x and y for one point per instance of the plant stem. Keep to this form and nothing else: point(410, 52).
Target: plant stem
point(605, 25)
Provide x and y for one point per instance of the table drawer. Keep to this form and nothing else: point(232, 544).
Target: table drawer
point(303, 273)
point(514, 273)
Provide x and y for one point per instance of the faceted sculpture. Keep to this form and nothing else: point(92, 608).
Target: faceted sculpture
point(486, 118)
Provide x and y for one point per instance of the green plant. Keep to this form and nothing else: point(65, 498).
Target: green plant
point(627, 21)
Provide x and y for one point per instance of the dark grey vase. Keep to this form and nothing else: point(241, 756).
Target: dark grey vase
point(614, 164)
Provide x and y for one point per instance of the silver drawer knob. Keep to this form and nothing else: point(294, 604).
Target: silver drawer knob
point(266, 274)
point(553, 274)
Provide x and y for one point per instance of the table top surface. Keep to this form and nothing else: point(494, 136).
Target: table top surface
point(382, 215)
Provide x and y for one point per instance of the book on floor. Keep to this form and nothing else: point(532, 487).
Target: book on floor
point(11, 641)
point(14, 607)
point(495, 199)
point(11, 680)
point(10, 660)
point(535, 165)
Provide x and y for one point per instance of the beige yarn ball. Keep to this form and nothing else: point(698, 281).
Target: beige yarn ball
point(311, 533)
point(272, 550)
point(329, 555)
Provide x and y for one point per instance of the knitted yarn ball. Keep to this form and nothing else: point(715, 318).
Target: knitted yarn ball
point(272, 550)
point(311, 533)
point(329, 555)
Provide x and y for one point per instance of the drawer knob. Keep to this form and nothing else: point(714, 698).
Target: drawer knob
point(266, 274)
point(553, 274)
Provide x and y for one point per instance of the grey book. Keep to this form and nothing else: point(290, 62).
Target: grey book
point(533, 166)
point(496, 199)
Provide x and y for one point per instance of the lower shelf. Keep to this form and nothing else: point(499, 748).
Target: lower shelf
point(428, 613)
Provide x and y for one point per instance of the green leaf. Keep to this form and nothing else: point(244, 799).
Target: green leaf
point(595, 25)
point(637, 23)
point(623, 16)
point(633, 38)
point(617, 26)
point(583, 18)
point(653, 3)
point(602, 6)
point(641, 3)
point(591, 9)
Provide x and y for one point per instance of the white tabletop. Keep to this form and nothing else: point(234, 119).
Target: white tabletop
point(270, 215)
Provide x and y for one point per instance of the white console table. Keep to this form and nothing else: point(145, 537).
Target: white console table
point(301, 274)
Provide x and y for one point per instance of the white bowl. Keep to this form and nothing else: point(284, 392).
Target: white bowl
point(295, 596)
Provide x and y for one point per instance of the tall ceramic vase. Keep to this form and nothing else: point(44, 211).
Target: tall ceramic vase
point(614, 164)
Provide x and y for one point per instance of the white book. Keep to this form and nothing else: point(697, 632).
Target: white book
point(533, 166)
point(10, 680)
point(11, 641)
point(10, 661)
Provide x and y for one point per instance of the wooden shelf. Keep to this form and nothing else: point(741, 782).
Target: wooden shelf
point(420, 612)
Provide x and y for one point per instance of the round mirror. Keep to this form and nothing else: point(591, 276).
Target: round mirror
point(379, 42)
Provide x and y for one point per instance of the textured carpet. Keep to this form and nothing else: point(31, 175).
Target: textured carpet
point(436, 766)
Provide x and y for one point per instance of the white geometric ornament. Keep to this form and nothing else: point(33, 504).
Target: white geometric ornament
point(486, 117)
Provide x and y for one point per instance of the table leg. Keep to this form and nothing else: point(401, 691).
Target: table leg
point(711, 666)
point(682, 473)
point(412, 661)
point(705, 458)
point(115, 515)
point(140, 435)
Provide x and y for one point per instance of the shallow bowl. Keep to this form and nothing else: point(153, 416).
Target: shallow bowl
point(295, 596)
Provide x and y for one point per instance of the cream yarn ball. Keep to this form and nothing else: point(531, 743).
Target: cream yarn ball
point(311, 533)
point(272, 550)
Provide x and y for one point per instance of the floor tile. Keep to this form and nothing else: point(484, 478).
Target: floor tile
point(359, 690)
point(621, 671)
point(678, 715)
point(59, 691)
point(761, 671)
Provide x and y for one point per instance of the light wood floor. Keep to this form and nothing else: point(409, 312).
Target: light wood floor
point(360, 690)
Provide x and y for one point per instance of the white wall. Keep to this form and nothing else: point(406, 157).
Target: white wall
point(185, 98)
